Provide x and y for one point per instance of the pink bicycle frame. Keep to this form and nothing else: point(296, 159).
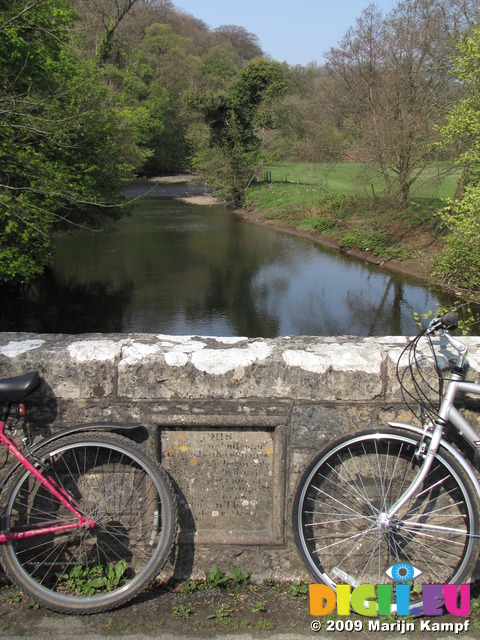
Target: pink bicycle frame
point(82, 521)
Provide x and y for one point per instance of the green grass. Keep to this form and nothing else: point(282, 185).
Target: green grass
point(344, 187)
point(351, 178)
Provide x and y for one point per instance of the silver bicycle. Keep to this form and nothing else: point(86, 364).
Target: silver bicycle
point(401, 495)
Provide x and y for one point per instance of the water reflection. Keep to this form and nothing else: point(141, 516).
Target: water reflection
point(179, 268)
point(327, 294)
point(52, 305)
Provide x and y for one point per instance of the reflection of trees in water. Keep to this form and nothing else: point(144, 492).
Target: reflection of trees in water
point(382, 312)
point(229, 290)
point(51, 306)
point(385, 318)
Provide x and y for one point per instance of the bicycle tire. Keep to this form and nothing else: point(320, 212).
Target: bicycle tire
point(131, 500)
point(338, 514)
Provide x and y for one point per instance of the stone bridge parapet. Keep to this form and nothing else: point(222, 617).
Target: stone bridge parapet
point(234, 421)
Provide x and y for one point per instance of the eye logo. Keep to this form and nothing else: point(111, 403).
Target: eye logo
point(402, 572)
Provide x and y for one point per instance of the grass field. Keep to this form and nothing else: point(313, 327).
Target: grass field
point(307, 182)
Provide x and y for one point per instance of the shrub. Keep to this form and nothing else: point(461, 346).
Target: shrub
point(318, 224)
point(459, 265)
point(378, 242)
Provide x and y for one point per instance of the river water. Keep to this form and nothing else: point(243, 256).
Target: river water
point(177, 268)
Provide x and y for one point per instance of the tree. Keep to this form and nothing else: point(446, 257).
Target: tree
point(218, 68)
point(164, 59)
point(142, 105)
point(393, 87)
point(460, 263)
point(100, 21)
point(232, 157)
point(243, 45)
point(121, 8)
point(305, 118)
point(59, 149)
point(462, 130)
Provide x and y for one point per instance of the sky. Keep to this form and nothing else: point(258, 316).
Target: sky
point(295, 31)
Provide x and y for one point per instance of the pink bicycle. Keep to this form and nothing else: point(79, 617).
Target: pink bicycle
point(88, 519)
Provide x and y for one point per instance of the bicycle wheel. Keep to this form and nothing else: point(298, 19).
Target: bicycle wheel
point(339, 513)
point(85, 571)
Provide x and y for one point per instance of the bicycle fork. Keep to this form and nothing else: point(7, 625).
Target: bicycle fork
point(83, 522)
point(435, 439)
point(429, 456)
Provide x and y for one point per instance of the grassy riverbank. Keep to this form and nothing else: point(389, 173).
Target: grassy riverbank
point(342, 206)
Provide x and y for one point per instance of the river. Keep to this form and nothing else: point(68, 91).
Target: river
point(172, 267)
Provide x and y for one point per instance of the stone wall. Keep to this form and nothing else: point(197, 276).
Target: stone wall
point(234, 421)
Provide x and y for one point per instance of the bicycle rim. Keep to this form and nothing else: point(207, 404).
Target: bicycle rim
point(341, 503)
point(86, 571)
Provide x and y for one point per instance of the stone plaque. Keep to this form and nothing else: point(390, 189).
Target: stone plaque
point(229, 480)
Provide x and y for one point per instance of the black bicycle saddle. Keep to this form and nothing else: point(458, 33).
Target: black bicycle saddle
point(18, 387)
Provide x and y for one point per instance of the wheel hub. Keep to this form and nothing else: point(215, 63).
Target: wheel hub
point(384, 523)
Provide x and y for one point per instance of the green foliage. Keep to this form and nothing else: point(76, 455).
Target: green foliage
point(463, 121)
point(321, 225)
point(168, 67)
point(378, 242)
point(188, 588)
point(218, 68)
point(299, 590)
point(365, 239)
point(468, 319)
point(239, 577)
point(14, 598)
point(27, 49)
point(25, 239)
point(339, 202)
point(221, 613)
point(181, 611)
point(232, 157)
point(88, 581)
point(58, 137)
point(266, 624)
point(216, 578)
point(141, 108)
point(459, 264)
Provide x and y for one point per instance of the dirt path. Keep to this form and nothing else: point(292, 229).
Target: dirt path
point(252, 612)
point(259, 610)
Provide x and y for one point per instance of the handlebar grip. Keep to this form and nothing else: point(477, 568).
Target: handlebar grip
point(450, 320)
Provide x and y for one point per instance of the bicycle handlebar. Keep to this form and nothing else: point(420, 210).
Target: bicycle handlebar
point(448, 322)
point(444, 324)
